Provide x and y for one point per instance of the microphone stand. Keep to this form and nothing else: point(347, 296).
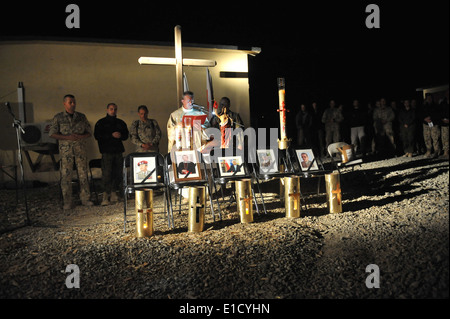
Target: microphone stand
point(18, 126)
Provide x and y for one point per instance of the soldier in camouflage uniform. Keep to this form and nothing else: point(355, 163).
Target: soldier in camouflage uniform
point(383, 116)
point(431, 126)
point(71, 129)
point(145, 133)
point(332, 118)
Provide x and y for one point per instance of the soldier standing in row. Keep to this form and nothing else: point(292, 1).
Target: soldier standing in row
point(145, 133)
point(332, 118)
point(109, 133)
point(357, 122)
point(383, 116)
point(71, 129)
point(431, 120)
point(407, 128)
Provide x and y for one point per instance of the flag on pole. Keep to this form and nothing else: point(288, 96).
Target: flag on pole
point(185, 83)
point(209, 94)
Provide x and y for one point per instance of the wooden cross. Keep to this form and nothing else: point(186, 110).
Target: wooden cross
point(198, 206)
point(296, 198)
point(247, 200)
point(178, 61)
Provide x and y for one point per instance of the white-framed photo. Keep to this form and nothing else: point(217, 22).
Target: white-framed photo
point(186, 166)
point(267, 161)
point(306, 160)
point(231, 166)
point(144, 169)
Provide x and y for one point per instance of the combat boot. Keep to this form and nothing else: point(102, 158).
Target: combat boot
point(114, 197)
point(87, 203)
point(105, 200)
point(68, 206)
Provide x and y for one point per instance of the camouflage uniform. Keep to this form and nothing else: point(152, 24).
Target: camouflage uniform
point(65, 124)
point(431, 135)
point(332, 118)
point(432, 130)
point(145, 132)
point(382, 121)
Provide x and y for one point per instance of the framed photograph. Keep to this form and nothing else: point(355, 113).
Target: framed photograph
point(267, 161)
point(143, 169)
point(306, 160)
point(231, 166)
point(186, 166)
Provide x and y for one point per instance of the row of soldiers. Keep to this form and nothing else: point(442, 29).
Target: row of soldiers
point(71, 129)
point(383, 130)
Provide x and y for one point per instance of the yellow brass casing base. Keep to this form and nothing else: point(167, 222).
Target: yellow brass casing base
point(244, 200)
point(334, 193)
point(197, 201)
point(284, 144)
point(292, 196)
point(144, 223)
point(144, 212)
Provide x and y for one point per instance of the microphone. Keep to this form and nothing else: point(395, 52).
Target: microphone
point(16, 121)
point(9, 108)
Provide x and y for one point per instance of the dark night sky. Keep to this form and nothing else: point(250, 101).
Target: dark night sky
point(323, 48)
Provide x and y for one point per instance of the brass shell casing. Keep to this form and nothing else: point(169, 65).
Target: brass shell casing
point(144, 212)
point(292, 196)
point(197, 206)
point(334, 193)
point(283, 144)
point(244, 200)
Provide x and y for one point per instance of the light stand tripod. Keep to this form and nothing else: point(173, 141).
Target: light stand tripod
point(17, 125)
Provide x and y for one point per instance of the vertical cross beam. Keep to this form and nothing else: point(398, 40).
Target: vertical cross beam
point(197, 207)
point(179, 63)
point(296, 196)
point(247, 201)
point(337, 193)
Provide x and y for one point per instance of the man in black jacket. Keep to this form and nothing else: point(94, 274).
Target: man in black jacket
point(110, 132)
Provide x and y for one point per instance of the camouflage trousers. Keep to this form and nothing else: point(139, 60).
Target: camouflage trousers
point(431, 136)
point(68, 158)
point(332, 134)
point(444, 137)
point(112, 172)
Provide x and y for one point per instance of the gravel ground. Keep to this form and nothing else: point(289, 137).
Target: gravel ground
point(396, 216)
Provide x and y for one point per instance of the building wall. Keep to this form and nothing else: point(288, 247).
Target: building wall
point(99, 73)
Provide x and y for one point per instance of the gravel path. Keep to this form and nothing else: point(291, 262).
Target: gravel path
point(396, 217)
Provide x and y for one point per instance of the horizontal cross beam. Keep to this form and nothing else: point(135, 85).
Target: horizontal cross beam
point(173, 61)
